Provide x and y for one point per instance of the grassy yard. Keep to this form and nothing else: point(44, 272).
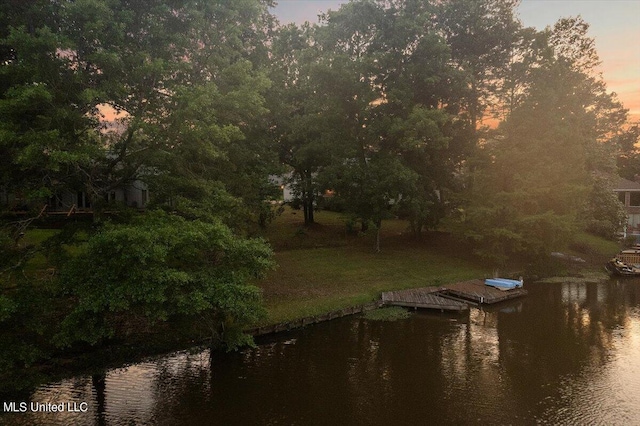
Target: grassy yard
point(593, 246)
point(314, 281)
point(288, 232)
point(36, 237)
point(323, 268)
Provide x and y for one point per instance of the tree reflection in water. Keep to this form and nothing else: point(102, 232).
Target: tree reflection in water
point(567, 353)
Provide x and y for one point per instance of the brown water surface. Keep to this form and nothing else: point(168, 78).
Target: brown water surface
point(565, 354)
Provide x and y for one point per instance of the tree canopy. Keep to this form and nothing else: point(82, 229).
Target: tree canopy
point(161, 266)
point(381, 109)
point(96, 95)
point(544, 163)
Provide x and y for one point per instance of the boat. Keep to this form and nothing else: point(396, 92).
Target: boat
point(630, 256)
point(504, 283)
point(622, 269)
point(626, 263)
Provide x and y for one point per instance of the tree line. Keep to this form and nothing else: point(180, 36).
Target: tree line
point(419, 109)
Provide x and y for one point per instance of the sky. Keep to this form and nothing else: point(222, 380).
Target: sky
point(614, 24)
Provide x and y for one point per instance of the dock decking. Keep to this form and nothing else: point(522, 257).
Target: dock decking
point(451, 297)
point(476, 291)
point(427, 298)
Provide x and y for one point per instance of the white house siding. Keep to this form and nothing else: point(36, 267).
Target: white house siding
point(629, 194)
point(281, 181)
point(137, 195)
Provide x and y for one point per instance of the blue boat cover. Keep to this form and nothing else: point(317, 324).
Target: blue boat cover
point(503, 283)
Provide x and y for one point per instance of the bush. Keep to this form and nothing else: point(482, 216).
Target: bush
point(162, 266)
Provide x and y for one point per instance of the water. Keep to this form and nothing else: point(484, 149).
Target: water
point(566, 354)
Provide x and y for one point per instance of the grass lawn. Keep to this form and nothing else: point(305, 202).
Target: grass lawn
point(287, 231)
point(35, 237)
point(323, 268)
point(314, 281)
point(587, 244)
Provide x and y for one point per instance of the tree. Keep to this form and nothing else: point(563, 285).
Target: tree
point(480, 35)
point(160, 267)
point(406, 106)
point(537, 174)
point(628, 155)
point(47, 107)
point(160, 66)
point(297, 114)
point(187, 81)
point(604, 214)
point(363, 173)
point(431, 156)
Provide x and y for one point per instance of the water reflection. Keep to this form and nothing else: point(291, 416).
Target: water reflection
point(566, 354)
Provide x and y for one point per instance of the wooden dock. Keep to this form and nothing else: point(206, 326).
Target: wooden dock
point(451, 297)
point(478, 292)
point(426, 298)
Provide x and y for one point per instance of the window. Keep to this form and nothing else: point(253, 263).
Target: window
point(621, 197)
point(634, 199)
point(82, 201)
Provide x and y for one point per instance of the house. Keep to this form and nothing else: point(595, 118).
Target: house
point(134, 195)
point(629, 194)
point(284, 183)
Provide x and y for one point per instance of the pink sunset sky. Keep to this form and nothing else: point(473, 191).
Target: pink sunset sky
point(614, 24)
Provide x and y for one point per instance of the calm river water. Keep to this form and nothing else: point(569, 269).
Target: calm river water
point(566, 354)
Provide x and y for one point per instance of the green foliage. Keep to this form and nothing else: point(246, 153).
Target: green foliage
point(481, 35)
point(187, 80)
point(13, 254)
point(392, 94)
point(380, 104)
point(25, 326)
point(430, 153)
point(7, 307)
point(159, 267)
point(300, 118)
point(187, 106)
point(370, 187)
point(534, 179)
point(604, 213)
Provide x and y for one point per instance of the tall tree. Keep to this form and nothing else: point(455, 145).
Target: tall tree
point(188, 81)
point(297, 112)
point(413, 108)
point(178, 73)
point(47, 105)
point(480, 35)
point(532, 191)
point(628, 160)
point(364, 173)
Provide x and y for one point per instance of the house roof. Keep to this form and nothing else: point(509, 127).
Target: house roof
point(626, 185)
